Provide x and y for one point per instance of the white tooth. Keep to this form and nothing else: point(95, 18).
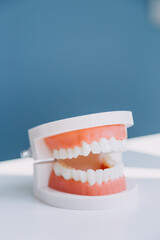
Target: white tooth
point(95, 148)
point(114, 146)
point(108, 146)
point(56, 154)
point(62, 153)
point(57, 169)
point(66, 173)
point(112, 173)
point(116, 172)
point(117, 157)
point(120, 170)
point(103, 144)
point(108, 160)
point(75, 175)
point(124, 145)
point(99, 176)
point(119, 145)
point(106, 174)
point(76, 151)
point(82, 176)
point(85, 149)
point(70, 153)
point(91, 176)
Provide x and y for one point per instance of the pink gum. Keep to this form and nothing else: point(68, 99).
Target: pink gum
point(71, 186)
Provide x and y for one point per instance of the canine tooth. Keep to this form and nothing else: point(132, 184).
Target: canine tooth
point(57, 169)
point(62, 153)
point(75, 175)
point(70, 153)
point(103, 143)
point(56, 154)
point(76, 151)
point(66, 173)
point(95, 148)
point(82, 176)
point(99, 176)
point(91, 176)
point(85, 149)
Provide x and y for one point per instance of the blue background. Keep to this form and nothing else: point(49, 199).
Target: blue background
point(66, 58)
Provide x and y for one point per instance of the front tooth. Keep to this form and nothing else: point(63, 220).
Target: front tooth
point(91, 176)
point(62, 153)
point(76, 151)
point(85, 149)
point(56, 154)
point(57, 169)
point(99, 176)
point(82, 176)
point(75, 175)
point(70, 153)
point(95, 148)
point(66, 173)
point(106, 175)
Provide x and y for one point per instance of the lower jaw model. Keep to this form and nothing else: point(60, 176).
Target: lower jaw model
point(88, 162)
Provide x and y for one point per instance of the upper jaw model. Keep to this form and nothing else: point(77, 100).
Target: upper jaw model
point(85, 153)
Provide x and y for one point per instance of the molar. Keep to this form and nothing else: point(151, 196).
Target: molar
point(57, 169)
point(56, 154)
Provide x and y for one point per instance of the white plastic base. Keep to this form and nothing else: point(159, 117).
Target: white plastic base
point(72, 201)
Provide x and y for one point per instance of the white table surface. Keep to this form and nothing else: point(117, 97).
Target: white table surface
point(24, 217)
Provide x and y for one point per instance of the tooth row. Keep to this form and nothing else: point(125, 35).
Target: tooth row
point(90, 175)
point(104, 146)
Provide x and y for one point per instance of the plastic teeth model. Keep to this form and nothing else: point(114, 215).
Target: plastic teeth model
point(78, 160)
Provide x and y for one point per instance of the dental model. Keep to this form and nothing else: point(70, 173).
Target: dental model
point(78, 161)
